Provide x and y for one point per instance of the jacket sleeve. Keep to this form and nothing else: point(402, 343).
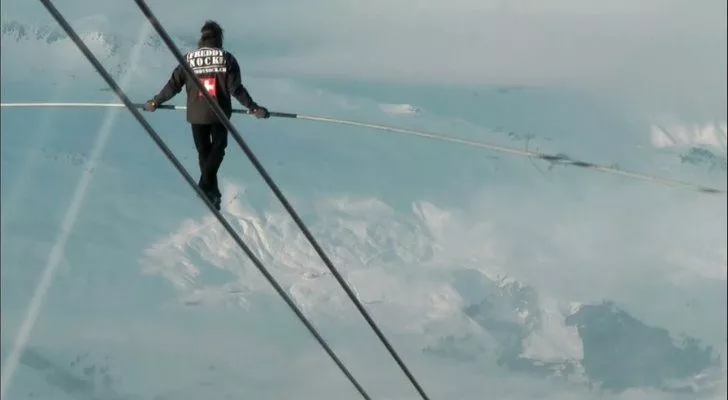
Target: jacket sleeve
point(174, 85)
point(235, 85)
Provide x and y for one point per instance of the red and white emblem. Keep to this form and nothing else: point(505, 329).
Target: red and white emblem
point(210, 84)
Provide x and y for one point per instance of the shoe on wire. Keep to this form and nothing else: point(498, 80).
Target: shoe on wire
point(215, 199)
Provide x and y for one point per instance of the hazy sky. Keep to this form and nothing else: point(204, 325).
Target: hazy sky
point(665, 50)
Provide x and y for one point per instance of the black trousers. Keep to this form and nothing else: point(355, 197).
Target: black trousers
point(211, 141)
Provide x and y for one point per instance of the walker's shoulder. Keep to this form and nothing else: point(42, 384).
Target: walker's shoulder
point(229, 55)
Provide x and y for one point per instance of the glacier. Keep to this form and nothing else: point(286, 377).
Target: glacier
point(493, 276)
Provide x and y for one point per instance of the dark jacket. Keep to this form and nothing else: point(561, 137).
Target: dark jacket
point(219, 72)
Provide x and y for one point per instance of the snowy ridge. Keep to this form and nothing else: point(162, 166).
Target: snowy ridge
point(34, 45)
point(455, 301)
point(400, 109)
point(678, 135)
point(393, 261)
point(362, 235)
point(95, 29)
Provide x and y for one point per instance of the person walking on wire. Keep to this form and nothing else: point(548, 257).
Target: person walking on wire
point(219, 71)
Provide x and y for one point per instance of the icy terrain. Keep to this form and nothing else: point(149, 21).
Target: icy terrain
point(494, 276)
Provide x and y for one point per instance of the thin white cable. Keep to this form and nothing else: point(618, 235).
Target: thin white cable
point(69, 220)
point(502, 149)
point(34, 105)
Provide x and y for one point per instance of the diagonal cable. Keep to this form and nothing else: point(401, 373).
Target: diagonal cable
point(173, 159)
point(254, 160)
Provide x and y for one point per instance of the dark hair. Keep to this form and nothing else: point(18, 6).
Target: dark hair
point(211, 35)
